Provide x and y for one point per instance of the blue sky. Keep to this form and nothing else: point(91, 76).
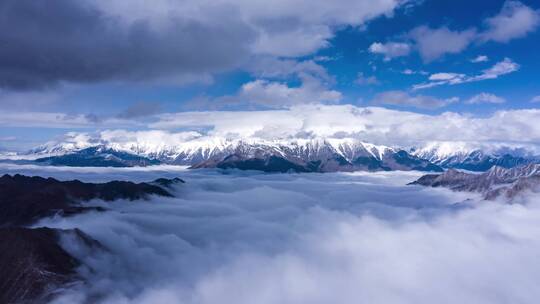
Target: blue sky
point(362, 53)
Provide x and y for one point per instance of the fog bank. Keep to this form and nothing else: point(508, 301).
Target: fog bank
point(305, 238)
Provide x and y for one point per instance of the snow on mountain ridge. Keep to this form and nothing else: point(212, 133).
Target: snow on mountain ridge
point(438, 151)
point(194, 147)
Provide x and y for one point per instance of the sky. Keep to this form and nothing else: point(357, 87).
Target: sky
point(96, 65)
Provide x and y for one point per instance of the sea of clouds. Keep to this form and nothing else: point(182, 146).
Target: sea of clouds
point(240, 237)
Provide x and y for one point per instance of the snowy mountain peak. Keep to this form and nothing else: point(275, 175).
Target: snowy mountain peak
point(195, 148)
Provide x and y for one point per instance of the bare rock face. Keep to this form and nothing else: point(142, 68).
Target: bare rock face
point(33, 265)
point(321, 158)
point(492, 184)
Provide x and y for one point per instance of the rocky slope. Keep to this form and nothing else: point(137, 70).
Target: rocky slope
point(32, 263)
point(497, 182)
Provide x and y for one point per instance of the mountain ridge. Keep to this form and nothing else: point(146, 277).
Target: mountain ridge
point(299, 155)
point(494, 183)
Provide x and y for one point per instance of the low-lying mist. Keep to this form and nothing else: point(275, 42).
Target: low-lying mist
point(302, 238)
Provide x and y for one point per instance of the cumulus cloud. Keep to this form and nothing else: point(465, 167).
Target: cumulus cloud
point(515, 20)
point(279, 68)
point(303, 238)
point(506, 66)
point(535, 99)
point(434, 43)
point(390, 50)
point(167, 39)
point(53, 46)
point(485, 98)
point(314, 88)
point(402, 98)
point(279, 95)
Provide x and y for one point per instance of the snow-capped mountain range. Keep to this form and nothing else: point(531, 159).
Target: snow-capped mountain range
point(299, 154)
point(304, 155)
point(475, 157)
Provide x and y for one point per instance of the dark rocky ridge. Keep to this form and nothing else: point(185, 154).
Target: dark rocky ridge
point(32, 263)
point(497, 182)
point(25, 199)
point(269, 162)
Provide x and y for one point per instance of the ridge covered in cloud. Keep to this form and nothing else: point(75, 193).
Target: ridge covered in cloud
point(302, 238)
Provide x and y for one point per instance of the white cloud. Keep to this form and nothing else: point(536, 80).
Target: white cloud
point(372, 124)
point(535, 99)
point(504, 67)
point(279, 95)
point(390, 50)
point(446, 76)
point(515, 20)
point(501, 68)
point(337, 238)
point(363, 80)
point(402, 98)
point(480, 58)
point(434, 43)
point(284, 29)
point(485, 98)
point(272, 67)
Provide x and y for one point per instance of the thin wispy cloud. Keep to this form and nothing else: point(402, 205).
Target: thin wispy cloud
point(501, 68)
point(485, 98)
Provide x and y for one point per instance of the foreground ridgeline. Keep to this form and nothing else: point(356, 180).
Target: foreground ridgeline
point(497, 182)
point(32, 263)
